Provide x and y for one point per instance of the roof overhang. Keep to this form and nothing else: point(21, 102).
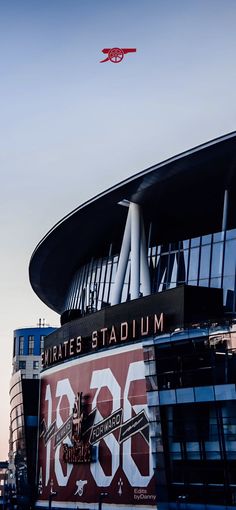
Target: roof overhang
point(182, 196)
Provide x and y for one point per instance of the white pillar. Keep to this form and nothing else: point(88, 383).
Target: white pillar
point(134, 243)
point(145, 273)
point(135, 251)
point(223, 230)
point(122, 263)
point(225, 211)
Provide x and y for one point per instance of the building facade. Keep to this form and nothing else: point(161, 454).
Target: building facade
point(28, 345)
point(138, 399)
point(3, 483)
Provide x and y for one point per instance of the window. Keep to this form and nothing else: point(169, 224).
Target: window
point(35, 376)
point(205, 262)
point(22, 365)
point(217, 259)
point(35, 365)
point(42, 343)
point(21, 345)
point(14, 347)
point(31, 344)
point(193, 265)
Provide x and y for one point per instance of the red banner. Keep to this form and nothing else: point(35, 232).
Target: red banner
point(117, 430)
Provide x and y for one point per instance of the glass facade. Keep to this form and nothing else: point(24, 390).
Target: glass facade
point(208, 261)
point(201, 463)
point(17, 416)
point(191, 374)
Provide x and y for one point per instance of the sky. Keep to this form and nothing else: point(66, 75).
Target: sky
point(71, 126)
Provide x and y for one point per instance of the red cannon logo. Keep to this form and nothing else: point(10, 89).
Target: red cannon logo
point(115, 55)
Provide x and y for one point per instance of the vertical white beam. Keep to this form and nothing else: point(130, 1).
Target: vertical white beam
point(223, 230)
point(122, 264)
point(135, 251)
point(134, 243)
point(225, 210)
point(145, 273)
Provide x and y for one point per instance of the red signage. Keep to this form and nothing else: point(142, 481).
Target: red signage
point(115, 426)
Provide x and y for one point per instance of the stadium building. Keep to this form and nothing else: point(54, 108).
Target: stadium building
point(138, 398)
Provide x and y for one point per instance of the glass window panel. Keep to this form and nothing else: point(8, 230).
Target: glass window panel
point(173, 270)
point(162, 272)
point(215, 282)
point(181, 271)
point(183, 266)
point(216, 264)
point(206, 239)
point(228, 286)
point(89, 279)
point(114, 269)
point(108, 274)
point(105, 295)
point(231, 234)
point(98, 273)
point(186, 244)
point(217, 236)
point(230, 258)
point(21, 345)
point(103, 272)
point(93, 274)
point(100, 292)
point(204, 282)
point(30, 344)
point(155, 261)
point(161, 284)
point(195, 242)
point(205, 261)
point(193, 265)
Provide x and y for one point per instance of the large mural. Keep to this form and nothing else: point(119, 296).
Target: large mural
point(94, 441)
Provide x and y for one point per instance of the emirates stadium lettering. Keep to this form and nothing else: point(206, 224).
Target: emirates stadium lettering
point(135, 329)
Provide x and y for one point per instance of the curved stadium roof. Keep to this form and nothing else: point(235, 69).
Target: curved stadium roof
point(182, 196)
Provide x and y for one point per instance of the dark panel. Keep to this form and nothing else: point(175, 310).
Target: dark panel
point(180, 306)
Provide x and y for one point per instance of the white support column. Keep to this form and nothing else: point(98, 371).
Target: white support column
point(122, 263)
point(134, 243)
point(135, 251)
point(225, 211)
point(223, 230)
point(145, 273)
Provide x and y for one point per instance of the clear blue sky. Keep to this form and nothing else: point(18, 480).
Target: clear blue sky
point(71, 127)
